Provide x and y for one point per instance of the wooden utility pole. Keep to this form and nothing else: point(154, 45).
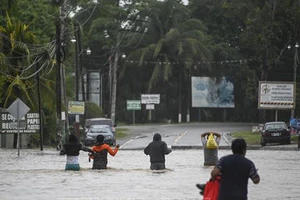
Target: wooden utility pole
point(114, 87)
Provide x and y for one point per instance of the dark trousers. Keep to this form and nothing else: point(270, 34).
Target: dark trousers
point(157, 166)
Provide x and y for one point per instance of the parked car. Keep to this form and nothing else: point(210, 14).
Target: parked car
point(99, 121)
point(95, 130)
point(275, 132)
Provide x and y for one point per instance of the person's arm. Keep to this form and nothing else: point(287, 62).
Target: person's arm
point(84, 148)
point(217, 170)
point(147, 150)
point(214, 173)
point(218, 135)
point(63, 151)
point(111, 151)
point(166, 149)
point(254, 175)
point(203, 135)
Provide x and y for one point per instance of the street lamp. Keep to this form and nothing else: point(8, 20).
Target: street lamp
point(77, 71)
point(296, 61)
point(77, 76)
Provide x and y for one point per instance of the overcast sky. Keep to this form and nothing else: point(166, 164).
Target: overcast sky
point(185, 2)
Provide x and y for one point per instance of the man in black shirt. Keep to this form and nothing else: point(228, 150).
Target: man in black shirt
point(235, 170)
point(157, 150)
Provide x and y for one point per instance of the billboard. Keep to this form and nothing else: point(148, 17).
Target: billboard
point(276, 95)
point(212, 92)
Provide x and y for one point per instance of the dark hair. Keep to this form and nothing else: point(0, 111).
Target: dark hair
point(100, 138)
point(239, 146)
point(73, 138)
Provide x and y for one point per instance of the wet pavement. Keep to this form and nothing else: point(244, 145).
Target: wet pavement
point(36, 175)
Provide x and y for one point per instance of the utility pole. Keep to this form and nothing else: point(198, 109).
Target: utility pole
point(296, 61)
point(77, 71)
point(114, 87)
point(59, 40)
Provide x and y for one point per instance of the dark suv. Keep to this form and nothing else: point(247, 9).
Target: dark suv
point(95, 130)
point(275, 132)
point(99, 121)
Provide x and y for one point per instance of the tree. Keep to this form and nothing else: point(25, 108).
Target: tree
point(174, 43)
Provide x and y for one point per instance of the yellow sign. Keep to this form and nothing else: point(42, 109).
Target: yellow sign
point(76, 107)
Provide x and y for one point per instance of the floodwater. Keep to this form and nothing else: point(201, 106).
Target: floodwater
point(36, 175)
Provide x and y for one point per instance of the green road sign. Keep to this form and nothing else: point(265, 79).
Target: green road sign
point(133, 105)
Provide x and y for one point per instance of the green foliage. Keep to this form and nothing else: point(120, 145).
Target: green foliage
point(251, 138)
point(92, 110)
point(121, 133)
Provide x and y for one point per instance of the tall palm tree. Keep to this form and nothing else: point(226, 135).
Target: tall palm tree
point(17, 63)
point(174, 42)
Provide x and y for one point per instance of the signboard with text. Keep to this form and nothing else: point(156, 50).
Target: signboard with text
point(150, 98)
point(133, 105)
point(30, 123)
point(76, 107)
point(276, 95)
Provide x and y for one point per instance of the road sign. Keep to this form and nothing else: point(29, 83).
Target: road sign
point(133, 105)
point(150, 106)
point(150, 98)
point(18, 109)
point(76, 107)
point(276, 95)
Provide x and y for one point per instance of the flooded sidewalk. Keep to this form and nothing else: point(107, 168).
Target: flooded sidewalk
point(36, 175)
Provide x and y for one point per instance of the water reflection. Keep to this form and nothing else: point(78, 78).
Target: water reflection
point(41, 175)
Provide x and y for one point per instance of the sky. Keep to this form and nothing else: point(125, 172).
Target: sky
point(185, 2)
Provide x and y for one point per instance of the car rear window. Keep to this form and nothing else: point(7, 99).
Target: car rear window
point(100, 130)
point(98, 122)
point(275, 126)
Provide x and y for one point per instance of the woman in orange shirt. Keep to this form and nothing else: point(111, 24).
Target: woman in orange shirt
point(100, 153)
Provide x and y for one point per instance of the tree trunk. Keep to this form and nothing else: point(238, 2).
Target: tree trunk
point(179, 98)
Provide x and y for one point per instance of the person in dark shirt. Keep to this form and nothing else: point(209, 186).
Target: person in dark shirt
point(71, 149)
point(100, 150)
point(235, 170)
point(157, 149)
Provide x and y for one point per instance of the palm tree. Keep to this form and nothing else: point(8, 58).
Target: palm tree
point(174, 43)
point(18, 63)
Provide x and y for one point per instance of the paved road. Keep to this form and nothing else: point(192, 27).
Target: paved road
point(187, 135)
point(180, 135)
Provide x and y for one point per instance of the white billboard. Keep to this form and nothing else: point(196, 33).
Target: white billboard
point(276, 95)
point(150, 98)
point(212, 92)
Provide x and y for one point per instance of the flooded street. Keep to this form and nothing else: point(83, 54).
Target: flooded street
point(40, 175)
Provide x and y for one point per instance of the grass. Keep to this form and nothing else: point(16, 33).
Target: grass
point(254, 138)
point(121, 132)
point(251, 138)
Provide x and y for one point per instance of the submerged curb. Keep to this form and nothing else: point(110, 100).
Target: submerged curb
point(292, 147)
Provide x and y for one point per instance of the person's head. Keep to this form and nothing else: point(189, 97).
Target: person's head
point(157, 137)
point(239, 146)
point(100, 138)
point(73, 138)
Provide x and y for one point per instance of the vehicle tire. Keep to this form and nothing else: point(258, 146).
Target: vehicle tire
point(262, 142)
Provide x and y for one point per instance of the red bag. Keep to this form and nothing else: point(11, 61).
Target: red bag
point(211, 191)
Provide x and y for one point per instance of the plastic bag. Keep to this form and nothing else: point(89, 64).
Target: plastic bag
point(211, 191)
point(211, 142)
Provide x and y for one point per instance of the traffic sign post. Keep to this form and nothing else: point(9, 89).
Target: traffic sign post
point(133, 105)
point(18, 109)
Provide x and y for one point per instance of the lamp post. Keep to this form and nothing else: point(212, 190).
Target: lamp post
point(77, 76)
point(296, 61)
